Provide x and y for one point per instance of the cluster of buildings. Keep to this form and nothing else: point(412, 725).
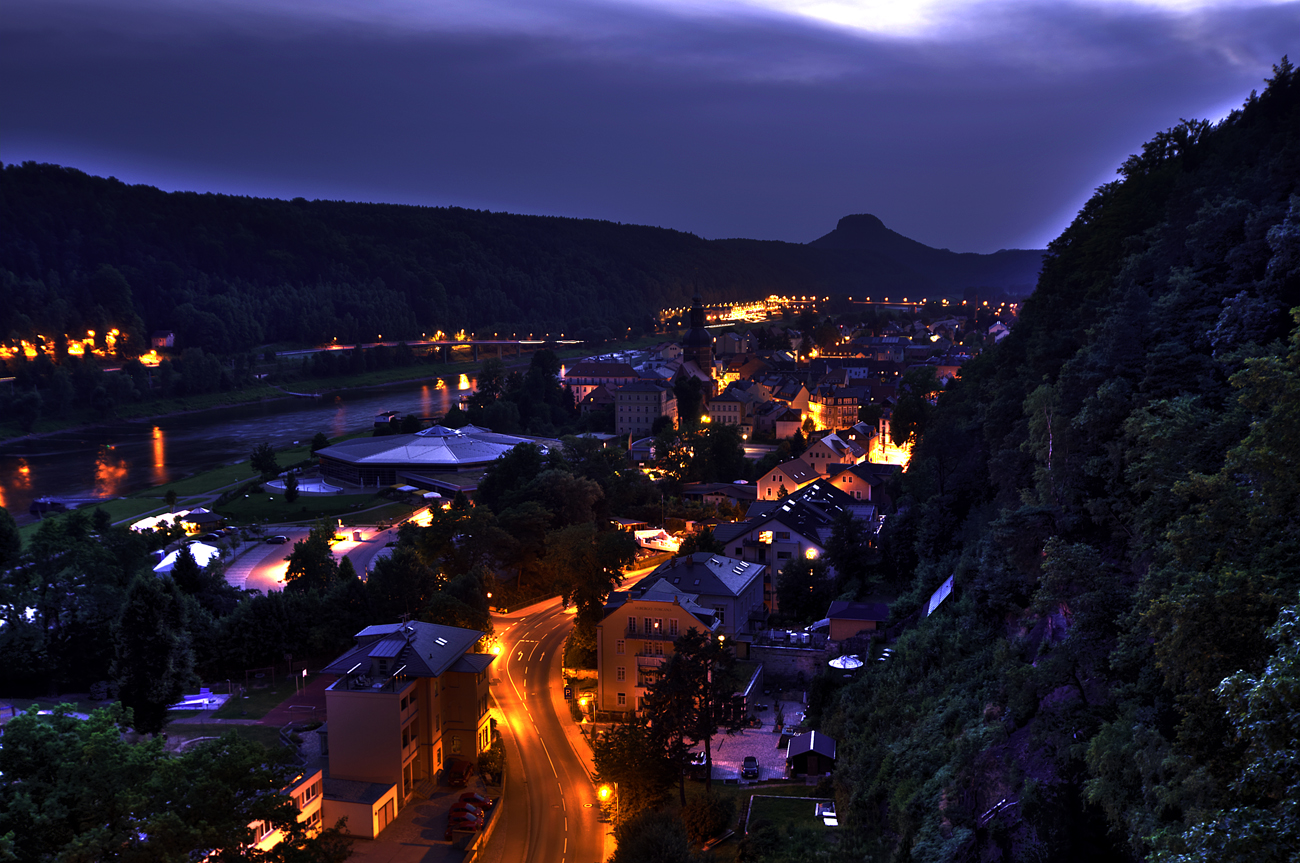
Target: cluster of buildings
point(731, 593)
point(770, 394)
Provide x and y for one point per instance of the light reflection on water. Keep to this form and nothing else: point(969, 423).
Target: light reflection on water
point(111, 472)
point(122, 458)
point(159, 456)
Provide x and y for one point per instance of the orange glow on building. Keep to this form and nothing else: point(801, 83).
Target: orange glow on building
point(77, 346)
point(884, 451)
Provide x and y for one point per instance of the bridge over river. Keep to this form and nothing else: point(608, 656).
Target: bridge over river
point(443, 349)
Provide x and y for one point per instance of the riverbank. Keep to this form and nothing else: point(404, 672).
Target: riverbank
point(142, 412)
point(449, 373)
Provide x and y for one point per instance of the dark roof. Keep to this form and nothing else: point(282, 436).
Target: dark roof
point(426, 649)
point(842, 610)
point(706, 574)
point(813, 741)
point(644, 386)
point(601, 370)
point(355, 792)
point(810, 511)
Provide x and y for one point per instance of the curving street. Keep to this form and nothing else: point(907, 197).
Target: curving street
point(550, 813)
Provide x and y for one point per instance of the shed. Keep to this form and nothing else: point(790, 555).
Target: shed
point(810, 754)
point(847, 619)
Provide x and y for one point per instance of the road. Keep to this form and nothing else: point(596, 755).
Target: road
point(551, 814)
point(262, 567)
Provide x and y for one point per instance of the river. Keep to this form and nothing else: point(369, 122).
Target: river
point(116, 459)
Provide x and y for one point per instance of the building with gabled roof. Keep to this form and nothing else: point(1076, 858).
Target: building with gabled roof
point(797, 526)
point(638, 404)
point(634, 638)
point(848, 619)
point(857, 480)
point(599, 398)
point(832, 449)
point(586, 376)
point(409, 698)
point(732, 588)
point(810, 754)
point(786, 478)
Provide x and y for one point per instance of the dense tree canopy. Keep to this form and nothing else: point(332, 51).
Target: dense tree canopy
point(1111, 488)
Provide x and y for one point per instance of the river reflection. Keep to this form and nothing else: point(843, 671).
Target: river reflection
point(117, 459)
point(111, 472)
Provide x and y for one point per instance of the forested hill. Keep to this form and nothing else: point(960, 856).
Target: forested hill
point(1115, 490)
point(229, 273)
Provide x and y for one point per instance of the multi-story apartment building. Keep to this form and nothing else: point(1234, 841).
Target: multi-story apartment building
point(636, 636)
point(637, 405)
point(410, 699)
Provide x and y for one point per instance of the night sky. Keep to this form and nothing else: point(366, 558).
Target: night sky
point(965, 125)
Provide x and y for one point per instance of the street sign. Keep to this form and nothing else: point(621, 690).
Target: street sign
point(568, 692)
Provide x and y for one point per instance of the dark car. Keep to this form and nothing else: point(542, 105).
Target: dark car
point(749, 768)
point(463, 821)
point(277, 540)
point(477, 799)
point(462, 808)
point(458, 772)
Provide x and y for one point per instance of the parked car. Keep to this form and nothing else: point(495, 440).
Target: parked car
point(462, 822)
point(749, 768)
point(277, 540)
point(468, 810)
point(478, 800)
point(458, 771)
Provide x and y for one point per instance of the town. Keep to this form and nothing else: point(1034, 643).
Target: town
point(724, 517)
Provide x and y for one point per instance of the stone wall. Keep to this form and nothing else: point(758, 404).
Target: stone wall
point(781, 665)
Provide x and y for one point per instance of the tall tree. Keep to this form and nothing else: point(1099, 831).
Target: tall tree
point(312, 566)
point(153, 660)
point(76, 789)
point(263, 460)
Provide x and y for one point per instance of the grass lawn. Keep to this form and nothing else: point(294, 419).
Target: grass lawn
point(740, 794)
point(205, 482)
point(787, 813)
point(270, 506)
point(122, 509)
point(260, 701)
point(263, 734)
point(387, 512)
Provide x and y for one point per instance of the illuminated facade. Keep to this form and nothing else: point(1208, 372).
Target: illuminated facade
point(410, 698)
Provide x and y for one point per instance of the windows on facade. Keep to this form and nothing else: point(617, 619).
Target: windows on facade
point(622, 699)
point(621, 674)
point(620, 646)
point(631, 625)
point(659, 648)
point(672, 626)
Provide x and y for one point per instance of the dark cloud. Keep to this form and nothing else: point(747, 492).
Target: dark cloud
point(988, 131)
